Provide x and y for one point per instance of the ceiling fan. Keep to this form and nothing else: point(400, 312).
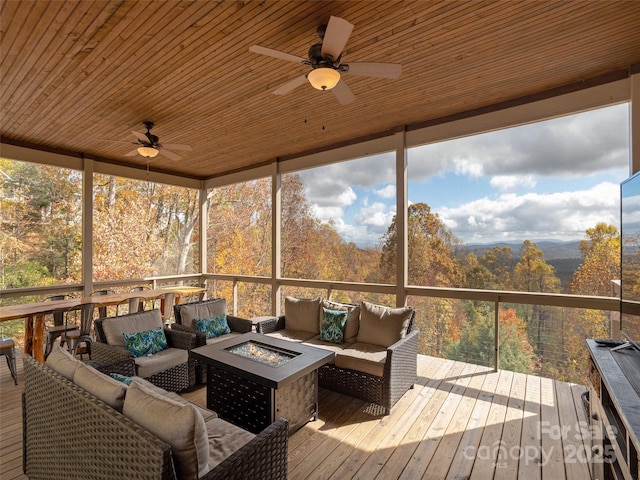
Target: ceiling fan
point(325, 61)
point(149, 146)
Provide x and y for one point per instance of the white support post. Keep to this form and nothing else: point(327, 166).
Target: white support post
point(204, 226)
point(87, 226)
point(276, 243)
point(402, 265)
point(634, 123)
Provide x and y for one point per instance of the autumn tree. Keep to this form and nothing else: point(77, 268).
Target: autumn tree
point(500, 262)
point(432, 262)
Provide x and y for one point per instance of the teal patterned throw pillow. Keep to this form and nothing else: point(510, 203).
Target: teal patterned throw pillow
point(212, 327)
point(145, 343)
point(121, 378)
point(333, 323)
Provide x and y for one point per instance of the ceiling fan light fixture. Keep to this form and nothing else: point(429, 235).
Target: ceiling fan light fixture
point(323, 78)
point(149, 152)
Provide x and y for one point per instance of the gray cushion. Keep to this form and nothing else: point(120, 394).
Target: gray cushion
point(353, 320)
point(107, 389)
point(302, 314)
point(292, 335)
point(62, 362)
point(381, 325)
point(224, 439)
point(206, 414)
point(180, 425)
point(222, 337)
point(161, 361)
point(115, 327)
point(206, 309)
point(363, 357)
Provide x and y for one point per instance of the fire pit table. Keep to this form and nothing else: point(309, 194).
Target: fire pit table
point(253, 379)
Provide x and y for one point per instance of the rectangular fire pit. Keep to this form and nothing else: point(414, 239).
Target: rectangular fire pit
point(262, 353)
point(252, 380)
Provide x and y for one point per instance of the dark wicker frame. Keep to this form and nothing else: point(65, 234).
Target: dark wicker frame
point(236, 324)
point(100, 442)
point(175, 379)
point(400, 370)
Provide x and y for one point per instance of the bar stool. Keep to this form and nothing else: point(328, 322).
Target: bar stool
point(8, 349)
point(59, 328)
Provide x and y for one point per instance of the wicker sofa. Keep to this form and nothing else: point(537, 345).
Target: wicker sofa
point(375, 356)
point(73, 429)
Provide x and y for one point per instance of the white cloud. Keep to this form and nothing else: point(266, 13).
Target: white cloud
point(534, 216)
point(506, 183)
point(570, 146)
point(387, 192)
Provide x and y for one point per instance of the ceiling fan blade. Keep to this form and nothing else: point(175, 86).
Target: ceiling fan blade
point(290, 85)
point(177, 146)
point(343, 93)
point(336, 36)
point(270, 52)
point(377, 70)
point(132, 153)
point(170, 155)
point(140, 136)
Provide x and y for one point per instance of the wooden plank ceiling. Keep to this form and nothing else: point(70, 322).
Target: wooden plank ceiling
point(79, 76)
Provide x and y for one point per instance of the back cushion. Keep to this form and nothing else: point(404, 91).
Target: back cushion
point(202, 310)
point(180, 425)
point(107, 389)
point(302, 314)
point(353, 320)
point(115, 327)
point(383, 326)
point(62, 362)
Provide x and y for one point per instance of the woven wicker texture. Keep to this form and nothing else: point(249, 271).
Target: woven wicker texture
point(71, 434)
point(253, 406)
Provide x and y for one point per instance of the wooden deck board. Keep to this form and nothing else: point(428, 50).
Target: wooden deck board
point(448, 426)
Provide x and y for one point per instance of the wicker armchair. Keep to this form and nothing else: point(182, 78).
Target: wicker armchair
point(399, 370)
point(185, 313)
point(168, 369)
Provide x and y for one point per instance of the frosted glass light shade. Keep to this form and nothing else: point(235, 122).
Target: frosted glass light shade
point(148, 151)
point(323, 78)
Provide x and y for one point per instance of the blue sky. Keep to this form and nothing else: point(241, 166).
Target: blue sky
point(546, 181)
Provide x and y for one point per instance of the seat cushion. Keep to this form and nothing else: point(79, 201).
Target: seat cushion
point(202, 310)
point(224, 337)
point(293, 335)
point(363, 357)
point(302, 314)
point(224, 439)
point(158, 362)
point(333, 347)
point(353, 320)
point(115, 327)
point(107, 389)
point(383, 326)
point(180, 425)
point(62, 362)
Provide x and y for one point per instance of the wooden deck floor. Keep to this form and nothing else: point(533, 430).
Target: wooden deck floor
point(461, 421)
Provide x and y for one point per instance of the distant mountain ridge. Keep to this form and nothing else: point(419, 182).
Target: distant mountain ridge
point(565, 257)
point(552, 249)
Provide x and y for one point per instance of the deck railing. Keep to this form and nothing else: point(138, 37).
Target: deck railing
point(561, 328)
